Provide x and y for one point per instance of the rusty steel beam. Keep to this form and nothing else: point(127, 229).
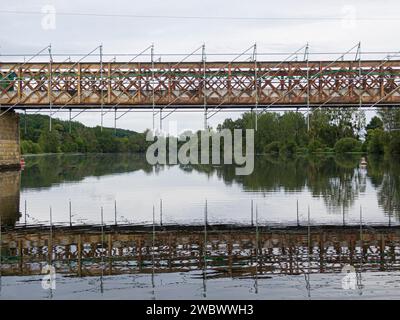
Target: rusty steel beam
point(26, 85)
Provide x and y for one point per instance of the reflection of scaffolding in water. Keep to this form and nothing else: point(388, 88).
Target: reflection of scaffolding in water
point(231, 251)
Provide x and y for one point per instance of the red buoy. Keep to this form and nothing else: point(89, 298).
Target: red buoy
point(22, 162)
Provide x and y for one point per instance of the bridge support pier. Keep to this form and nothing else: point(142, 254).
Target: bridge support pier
point(10, 154)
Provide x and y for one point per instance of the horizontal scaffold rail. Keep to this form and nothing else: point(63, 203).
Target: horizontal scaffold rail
point(194, 84)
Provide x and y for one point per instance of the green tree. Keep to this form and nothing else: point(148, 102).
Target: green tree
point(375, 123)
point(49, 141)
point(390, 117)
point(346, 145)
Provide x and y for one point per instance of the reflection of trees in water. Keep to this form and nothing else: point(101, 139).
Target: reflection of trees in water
point(270, 174)
point(385, 174)
point(44, 171)
point(341, 191)
point(389, 195)
point(336, 179)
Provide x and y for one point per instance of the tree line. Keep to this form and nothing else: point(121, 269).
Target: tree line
point(74, 137)
point(327, 130)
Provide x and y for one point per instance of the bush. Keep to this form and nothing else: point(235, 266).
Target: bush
point(329, 150)
point(273, 147)
point(316, 146)
point(376, 141)
point(394, 145)
point(288, 147)
point(301, 150)
point(29, 147)
point(346, 145)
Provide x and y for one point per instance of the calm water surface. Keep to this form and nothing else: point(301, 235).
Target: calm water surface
point(334, 188)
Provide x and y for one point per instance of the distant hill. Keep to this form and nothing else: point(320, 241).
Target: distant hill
point(74, 136)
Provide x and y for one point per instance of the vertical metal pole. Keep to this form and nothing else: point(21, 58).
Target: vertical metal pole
point(25, 121)
point(101, 85)
point(152, 81)
point(161, 212)
point(257, 249)
point(307, 276)
point(205, 251)
point(203, 59)
point(359, 74)
point(206, 215)
point(360, 80)
point(102, 250)
point(50, 87)
point(115, 212)
point(343, 213)
point(70, 213)
point(308, 227)
point(361, 234)
point(359, 270)
point(252, 219)
point(256, 85)
point(115, 121)
point(297, 212)
point(25, 213)
point(70, 119)
point(152, 250)
point(1, 254)
point(50, 249)
point(308, 87)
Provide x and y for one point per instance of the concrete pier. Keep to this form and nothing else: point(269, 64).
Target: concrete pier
point(10, 154)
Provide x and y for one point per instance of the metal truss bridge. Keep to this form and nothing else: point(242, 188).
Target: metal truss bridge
point(236, 84)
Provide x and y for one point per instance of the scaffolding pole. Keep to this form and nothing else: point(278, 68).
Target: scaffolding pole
point(255, 85)
point(101, 84)
point(306, 56)
point(50, 86)
point(358, 54)
point(203, 59)
point(152, 82)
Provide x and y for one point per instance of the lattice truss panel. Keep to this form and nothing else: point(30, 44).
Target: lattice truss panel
point(237, 83)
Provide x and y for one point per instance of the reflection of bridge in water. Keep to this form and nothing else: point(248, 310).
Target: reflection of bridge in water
point(222, 250)
point(9, 197)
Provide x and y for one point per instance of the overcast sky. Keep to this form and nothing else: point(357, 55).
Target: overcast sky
point(328, 26)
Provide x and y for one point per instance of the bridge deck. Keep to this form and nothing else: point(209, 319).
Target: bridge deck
point(123, 85)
